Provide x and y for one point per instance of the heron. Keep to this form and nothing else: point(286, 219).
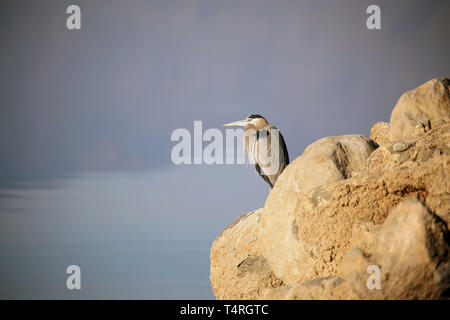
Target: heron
point(264, 146)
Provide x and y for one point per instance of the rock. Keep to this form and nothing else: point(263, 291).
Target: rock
point(291, 256)
point(327, 160)
point(344, 206)
point(400, 147)
point(316, 227)
point(421, 109)
point(330, 288)
point(412, 252)
point(380, 132)
point(238, 270)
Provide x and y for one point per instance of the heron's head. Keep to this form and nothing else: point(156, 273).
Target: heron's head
point(254, 121)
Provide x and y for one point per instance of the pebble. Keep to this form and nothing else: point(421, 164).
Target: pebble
point(400, 147)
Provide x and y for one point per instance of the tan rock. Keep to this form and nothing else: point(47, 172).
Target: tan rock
point(238, 270)
point(331, 288)
point(292, 251)
point(412, 252)
point(340, 208)
point(380, 132)
point(316, 228)
point(419, 110)
point(327, 160)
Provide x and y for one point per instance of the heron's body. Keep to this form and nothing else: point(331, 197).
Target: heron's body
point(265, 146)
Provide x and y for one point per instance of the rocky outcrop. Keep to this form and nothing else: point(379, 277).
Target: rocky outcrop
point(380, 132)
point(350, 206)
point(296, 249)
point(238, 269)
point(419, 110)
point(411, 250)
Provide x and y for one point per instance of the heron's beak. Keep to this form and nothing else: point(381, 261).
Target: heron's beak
point(240, 123)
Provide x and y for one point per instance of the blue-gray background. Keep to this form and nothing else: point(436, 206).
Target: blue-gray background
point(86, 118)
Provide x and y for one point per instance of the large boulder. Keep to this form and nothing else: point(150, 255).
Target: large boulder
point(293, 249)
point(305, 234)
point(327, 160)
point(238, 270)
point(412, 253)
point(411, 256)
point(419, 110)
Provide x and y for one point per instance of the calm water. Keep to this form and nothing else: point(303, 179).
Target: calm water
point(134, 236)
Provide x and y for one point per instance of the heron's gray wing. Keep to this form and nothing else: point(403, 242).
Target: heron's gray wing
point(270, 163)
point(283, 155)
point(262, 142)
point(262, 175)
point(283, 149)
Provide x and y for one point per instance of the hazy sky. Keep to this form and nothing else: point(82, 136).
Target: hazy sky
point(107, 97)
point(105, 100)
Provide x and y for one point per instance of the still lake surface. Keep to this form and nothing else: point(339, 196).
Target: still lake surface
point(140, 235)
